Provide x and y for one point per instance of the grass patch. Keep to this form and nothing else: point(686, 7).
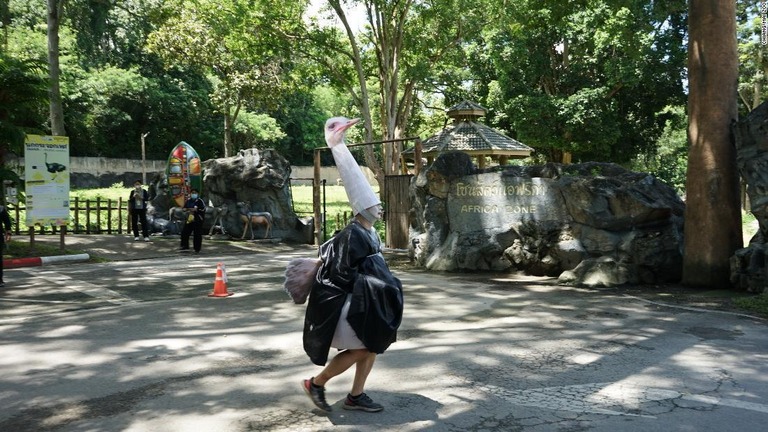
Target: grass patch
point(114, 192)
point(22, 249)
point(336, 207)
point(721, 293)
point(756, 303)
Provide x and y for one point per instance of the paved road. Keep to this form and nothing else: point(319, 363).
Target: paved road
point(137, 345)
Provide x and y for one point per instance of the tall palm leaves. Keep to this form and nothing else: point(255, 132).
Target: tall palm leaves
point(23, 93)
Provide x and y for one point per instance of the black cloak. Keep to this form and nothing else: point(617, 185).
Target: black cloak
point(352, 263)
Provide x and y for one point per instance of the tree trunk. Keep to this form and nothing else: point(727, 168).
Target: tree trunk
point(228, 147)
point(757, 97)
point(56, 109)
point(365, 107)
point(712, 216)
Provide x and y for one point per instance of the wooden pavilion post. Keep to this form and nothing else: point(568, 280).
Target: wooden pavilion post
point(417, 156)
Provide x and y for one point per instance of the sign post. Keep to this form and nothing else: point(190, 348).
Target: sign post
point(46, 177)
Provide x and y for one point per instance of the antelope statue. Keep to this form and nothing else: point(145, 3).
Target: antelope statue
point(218, 214)
point(253, 218)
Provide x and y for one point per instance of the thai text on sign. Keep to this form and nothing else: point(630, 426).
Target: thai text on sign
point(480, 190)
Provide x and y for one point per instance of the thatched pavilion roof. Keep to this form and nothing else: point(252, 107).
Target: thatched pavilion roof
point(468, 135)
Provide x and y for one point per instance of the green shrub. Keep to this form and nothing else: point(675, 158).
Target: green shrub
point(757, 303)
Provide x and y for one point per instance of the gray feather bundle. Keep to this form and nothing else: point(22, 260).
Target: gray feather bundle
point(299, 277)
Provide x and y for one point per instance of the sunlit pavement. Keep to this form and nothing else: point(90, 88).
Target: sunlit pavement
point(139, 346)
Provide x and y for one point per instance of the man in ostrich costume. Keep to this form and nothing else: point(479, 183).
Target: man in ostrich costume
point(355, 303)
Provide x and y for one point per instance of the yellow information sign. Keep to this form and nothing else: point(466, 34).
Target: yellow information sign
point(46, 177)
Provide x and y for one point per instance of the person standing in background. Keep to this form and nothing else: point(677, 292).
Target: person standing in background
point(137, 205)
point(194, 210)
point(5, 237)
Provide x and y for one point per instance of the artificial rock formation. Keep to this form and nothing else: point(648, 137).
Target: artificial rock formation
point(588, 224)
point(749, 270)
point(253, 180)
point(261, 179)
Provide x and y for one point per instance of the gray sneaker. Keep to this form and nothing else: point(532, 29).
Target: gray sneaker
point(317, 394)
point(362, 403)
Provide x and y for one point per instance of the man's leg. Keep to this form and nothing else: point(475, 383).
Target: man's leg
point(144, 227)
point(314, 387)
point(362, 370)
point(340, 363)
point(185, 232)
point(197, 241)
point(2, 251)
point(134, 223)
point(357, 399)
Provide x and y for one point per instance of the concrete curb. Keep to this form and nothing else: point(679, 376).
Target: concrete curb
point(39, 261)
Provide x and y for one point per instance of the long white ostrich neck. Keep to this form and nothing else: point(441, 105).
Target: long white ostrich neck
point(358, 190)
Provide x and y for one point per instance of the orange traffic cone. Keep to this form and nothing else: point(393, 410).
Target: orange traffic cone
point(220, 285)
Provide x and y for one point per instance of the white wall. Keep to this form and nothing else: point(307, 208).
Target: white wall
point(98, 166)
point(329, 174)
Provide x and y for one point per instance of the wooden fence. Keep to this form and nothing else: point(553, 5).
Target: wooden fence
point(96, 216)
point(107, 216)
point(100, 216)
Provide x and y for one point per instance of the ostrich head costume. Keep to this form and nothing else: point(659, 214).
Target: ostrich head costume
point(359, 192)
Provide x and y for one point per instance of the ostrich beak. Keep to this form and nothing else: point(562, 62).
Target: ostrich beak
point(336, 128)
point(350, 123)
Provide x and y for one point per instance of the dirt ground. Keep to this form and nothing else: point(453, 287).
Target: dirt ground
point(118, 248)
point(673, 294)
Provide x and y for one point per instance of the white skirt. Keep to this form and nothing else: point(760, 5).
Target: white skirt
point(344, 337)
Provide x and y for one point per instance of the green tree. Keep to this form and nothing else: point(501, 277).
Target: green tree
point(668, 160)
point(753, 58)
point(301, 115)
point(581, 77)
point(55, 12)
point(256, 131)
point(712, 216)
point(23, 92)
point(232, 42)
point(113, 32)
point(115, 91)
point(386, 65)
point(110, 107)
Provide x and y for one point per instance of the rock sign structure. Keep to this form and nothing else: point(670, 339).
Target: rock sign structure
point(590, 224)
point(749, 270)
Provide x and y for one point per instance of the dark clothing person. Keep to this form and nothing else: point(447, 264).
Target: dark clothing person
point(194, 209)
point(5, 236)
point(355, 304)
point(137, 205)
point(352, 265)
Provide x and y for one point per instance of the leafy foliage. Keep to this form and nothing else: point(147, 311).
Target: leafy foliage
point(23, 91)
point(588, 77)
point(229, 40)
point(22, 97)
point(669, 159)
point(256, 130)
point(753, 56)
point(582, 77)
